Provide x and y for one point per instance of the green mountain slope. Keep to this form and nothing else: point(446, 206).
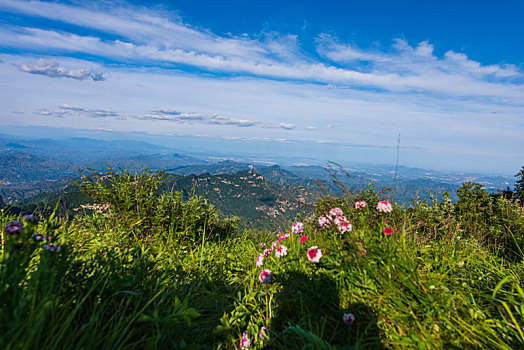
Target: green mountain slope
point(259, 203)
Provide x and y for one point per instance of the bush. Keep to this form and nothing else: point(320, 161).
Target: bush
point(133, 202)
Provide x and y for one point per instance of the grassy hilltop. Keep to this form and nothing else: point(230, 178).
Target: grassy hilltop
point(150, 269)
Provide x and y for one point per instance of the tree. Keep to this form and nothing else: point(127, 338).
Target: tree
point(519, 187)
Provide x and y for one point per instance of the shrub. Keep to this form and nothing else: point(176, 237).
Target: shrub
point(134, 203)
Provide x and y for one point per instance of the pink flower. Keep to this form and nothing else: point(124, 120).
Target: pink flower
point(323, 221)
point(297, 228)
point(245, 342)
point(260, 260)
point(384, 206)
point(348, 318)
point(362, 252)
point(303, 239)
point(344, 226)
point(267, 252)
point(262, 245)
point(274, 244)
point(283, 237)
point(314, 254)
point(388, 231)
point(280, 251)
point(265, 276)
point(360, 205)
point(336, 212)
point(263, 332)
point(339, 219)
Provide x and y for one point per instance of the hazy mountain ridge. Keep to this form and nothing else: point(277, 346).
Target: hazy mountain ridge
point(33, 167)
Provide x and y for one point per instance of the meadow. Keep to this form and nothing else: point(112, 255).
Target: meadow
point(150, 270)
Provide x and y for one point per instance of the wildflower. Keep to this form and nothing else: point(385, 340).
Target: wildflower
point(339, 219)
point(323, 221)
point(39, 237)
point(344, 226)
point(31, 218)
point(263, 332)
point(265, 276)
point(388, 231)
point(348, 318)
point(336, 212)
point(14, 227)
point(262, 245)
point(260, 260)
point(281, 251)
point(362, 252)
point(267, 252)
point(384, 206)
point(297, 228)
point(432, 287)
point(52, 247)
point(274, 244)
point(245, 342)
point(303, 239)
point(314, 254)
point(283, 237)
point(360, 205)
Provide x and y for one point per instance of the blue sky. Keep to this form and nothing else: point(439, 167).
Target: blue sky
point(330, 80)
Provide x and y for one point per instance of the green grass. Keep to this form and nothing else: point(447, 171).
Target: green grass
point(442, 280)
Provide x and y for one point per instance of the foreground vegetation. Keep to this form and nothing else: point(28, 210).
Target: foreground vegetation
point(143, 270)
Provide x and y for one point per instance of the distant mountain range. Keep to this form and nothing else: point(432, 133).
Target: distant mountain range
point(36, 171)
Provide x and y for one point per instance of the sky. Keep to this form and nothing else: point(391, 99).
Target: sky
point(325, 80)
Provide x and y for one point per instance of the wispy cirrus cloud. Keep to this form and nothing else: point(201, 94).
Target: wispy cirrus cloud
point(53, 69)
point(411, 60)
point(160, 114)
point(162, 38)
point(65, 111)
point(197, 118)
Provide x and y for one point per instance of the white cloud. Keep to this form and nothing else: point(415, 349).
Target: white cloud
point(192, 118)
point(53, 69)
point(74, 110)
point(162, 38)
point(287, 126)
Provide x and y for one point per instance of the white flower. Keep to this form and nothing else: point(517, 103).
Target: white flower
point(360, 205)
point(348, 318)
point(297, 228)
point(267, 252)
point(384, 206)
point(344, 226)
point(336, 212)
point(281, 251)
point(314, 254)
point(339, 219)
point(265, 276)
point(323, 221)
point(245, 342)
point(260, 260)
